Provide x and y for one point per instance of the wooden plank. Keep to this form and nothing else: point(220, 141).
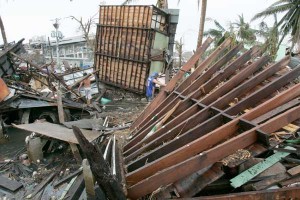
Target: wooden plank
point(231, 68)
point(204, 159)
point(10, 185)
point(189, 188)
point(67, 178)
point(217, 66)
point(234, 82)
point(249, 174)
point(204, 65)
point(276, 111)
point(171, 85)
point(57, 131)
point(294, 171)
point(42, 185)
point(193, 120)
point(99, 167)
point(290, 181)
point(265, 90)
point(269, 181)
point(282, 193)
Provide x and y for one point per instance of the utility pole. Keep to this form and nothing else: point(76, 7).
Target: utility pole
point(3, 33)
point(56, 26)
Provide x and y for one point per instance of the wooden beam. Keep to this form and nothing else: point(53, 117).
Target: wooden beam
point(67, 178)
point(269, 181)
point(10, 185)
point(205, 64)
point(193, 184)
point(253, 171)
point(99, 167)
point(222, 76)
point(188, 136)
point(172, 83)
point(214, 68)
point(204, 159)
point(282, 193)
point(230, 85)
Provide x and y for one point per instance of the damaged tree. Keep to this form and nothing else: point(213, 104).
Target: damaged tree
point(100, 169)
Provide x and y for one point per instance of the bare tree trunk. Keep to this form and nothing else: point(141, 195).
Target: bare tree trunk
point(3, 33)
point(202, 20)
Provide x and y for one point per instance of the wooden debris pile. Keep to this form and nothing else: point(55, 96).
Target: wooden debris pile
point(32, 90)
point(219, 130)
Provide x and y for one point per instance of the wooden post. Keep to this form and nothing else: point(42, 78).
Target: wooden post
point(61, 116)
point(111, 188)
point(3, 33)
point(88, 179)
point(75, 152)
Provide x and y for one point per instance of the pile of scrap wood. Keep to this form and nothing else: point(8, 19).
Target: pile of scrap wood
point(33, 90)
point(48, 171)
point(228, 127)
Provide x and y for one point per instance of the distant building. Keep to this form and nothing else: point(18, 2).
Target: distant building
point(74, 50)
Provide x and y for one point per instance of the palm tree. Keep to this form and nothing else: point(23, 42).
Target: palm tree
point(290, 22)
point(243, 31)
point(202, 21)
point(218, 32)
point(271, 37)
point(178, 47)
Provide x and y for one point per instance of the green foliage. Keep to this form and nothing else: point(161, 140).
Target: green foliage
point(289, 23)
point(271, 38)
point(243, 31)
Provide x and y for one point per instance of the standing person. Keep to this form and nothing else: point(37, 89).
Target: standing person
point(87, 88)
point(150, 86)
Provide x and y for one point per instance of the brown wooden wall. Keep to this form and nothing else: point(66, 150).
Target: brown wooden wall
point(124, 41)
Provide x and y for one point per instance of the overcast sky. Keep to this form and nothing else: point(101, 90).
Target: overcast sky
point(28, 18)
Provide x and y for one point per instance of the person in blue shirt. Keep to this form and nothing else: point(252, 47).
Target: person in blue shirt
point(150, 86)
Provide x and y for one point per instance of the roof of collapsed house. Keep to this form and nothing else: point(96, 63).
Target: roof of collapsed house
point(234, 101)
point(7, 66)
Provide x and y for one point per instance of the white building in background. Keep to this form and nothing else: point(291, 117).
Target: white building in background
point(74, 50)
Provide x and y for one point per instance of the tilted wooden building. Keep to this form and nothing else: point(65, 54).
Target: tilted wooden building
point(131, 44)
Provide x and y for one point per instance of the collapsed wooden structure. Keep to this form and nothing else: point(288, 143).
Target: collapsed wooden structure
point(231, 101)
point(125, 46)
point(7, 62)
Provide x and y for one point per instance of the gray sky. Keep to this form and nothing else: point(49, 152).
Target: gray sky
point(27, 18)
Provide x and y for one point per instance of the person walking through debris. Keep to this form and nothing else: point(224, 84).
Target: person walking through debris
point(87, 88)
point(150, 87)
